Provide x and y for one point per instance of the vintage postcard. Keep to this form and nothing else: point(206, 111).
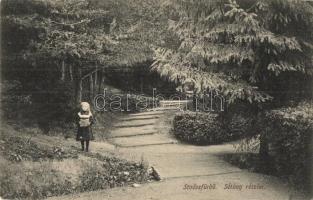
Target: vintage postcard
point(156, 99)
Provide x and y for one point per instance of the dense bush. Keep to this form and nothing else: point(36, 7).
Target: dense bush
point(47, 106)
point(289, 134)
point(111, 172)
point(240, 125)
point(199, 128)
point(209, 128)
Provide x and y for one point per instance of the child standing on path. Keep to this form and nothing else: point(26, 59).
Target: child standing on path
point(84, 122)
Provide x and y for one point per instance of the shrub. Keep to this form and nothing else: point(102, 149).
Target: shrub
point(51, 106)
point(289, 133)
point(111, 172)
point(210, 128)
point(240, 125)
point(199, 128)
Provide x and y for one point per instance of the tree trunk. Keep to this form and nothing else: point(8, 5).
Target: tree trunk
point(309, 165)
point(101, 80)
point(79, 86)
point(264, 147)
point(91, 88)
point(141, 84)
point(264, 143)
point(63, 71)
point(95, 81)
point(71, 72)
point(265, 161)
point(96, 75)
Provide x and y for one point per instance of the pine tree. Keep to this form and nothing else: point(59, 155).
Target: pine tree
point(246, 50)
point(49, 46)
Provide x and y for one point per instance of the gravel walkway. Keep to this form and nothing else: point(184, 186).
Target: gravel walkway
point(187, 171)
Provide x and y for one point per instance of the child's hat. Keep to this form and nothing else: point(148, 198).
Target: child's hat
point(85, 106)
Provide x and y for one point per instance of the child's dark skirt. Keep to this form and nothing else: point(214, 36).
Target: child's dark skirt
point(84, 134)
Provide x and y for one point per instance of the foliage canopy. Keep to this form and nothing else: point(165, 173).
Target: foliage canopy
point(246, 50)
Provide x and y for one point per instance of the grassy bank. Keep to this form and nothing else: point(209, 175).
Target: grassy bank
point(36, 166)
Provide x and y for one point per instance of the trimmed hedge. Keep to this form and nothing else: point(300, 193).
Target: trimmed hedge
point(209, 128)
point(289, 134)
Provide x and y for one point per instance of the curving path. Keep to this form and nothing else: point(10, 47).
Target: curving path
point(187, 171)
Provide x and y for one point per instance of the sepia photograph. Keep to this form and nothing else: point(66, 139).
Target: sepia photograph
point(156, 100)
